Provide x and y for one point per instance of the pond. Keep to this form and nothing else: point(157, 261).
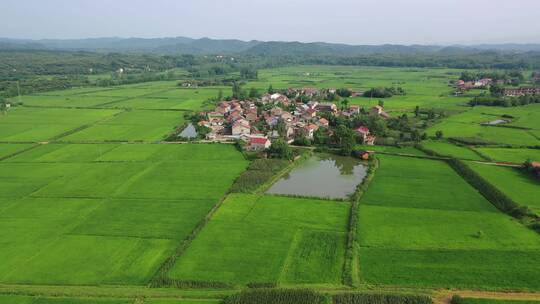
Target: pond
point(189, 132)
point(323, 175)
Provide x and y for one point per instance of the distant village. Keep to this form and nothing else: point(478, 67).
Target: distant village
point(484, 83)
point(258, 122)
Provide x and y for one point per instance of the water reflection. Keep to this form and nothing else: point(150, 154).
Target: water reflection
point(323, 175)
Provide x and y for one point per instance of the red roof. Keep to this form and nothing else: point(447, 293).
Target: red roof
point(258, 140)
point(364, 130)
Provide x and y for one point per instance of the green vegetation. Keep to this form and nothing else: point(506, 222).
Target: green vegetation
point(268, 239)
point(515, 155)
point(96, 208)
point(374, 298)
point(420, 224)
point(276, 296)
point(85, 221)
point(520, 187)
point(447, 149)
point(259, 172)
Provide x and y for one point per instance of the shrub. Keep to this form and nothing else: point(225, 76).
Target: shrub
point(258, 173)
point(276, 296)
point(367, 298)
point(456, 299)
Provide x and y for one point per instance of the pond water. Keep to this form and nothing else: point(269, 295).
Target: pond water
point(189, 132)
point(323, 175)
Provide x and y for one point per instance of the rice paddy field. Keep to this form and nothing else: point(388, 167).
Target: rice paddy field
point(92, 197)
point(469, 125)
point(425, 87)
point(514, 155)
point(519, 186)
point(105, 213)
point(268, 239)
point(419, 225)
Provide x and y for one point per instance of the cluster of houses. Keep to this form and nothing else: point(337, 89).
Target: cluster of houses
point(516, 92)
point(478, 84)
point(255, 122)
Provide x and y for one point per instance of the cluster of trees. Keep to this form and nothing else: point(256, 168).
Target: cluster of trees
point(249, 73)
point(384, 92)
point(498, 101)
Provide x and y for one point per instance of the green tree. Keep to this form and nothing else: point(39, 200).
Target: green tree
point(237, 91)
point(270, 90)
point(345, 104)
point(416, 111)
point(345, 139)
point(220, 95)
point(439, 134)
point(280, 149)
point(254, 93)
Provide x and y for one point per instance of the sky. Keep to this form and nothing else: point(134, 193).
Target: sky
point(341, 21)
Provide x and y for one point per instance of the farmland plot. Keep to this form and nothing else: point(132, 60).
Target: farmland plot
point(134, 125)
point(268, 239)
point(32, 124)
point(420, 224)
point(520, 187)
point(69, 218)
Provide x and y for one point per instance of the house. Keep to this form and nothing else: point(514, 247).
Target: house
point(365, 135)
point(363, 155)
point(204, 123)
point(309, 114)
point(258, 143)
point(521, 92)
point(241, 127)
point(286, 117)
point(251, 117)
point(271, 120)
point(234, 116)
point(212, 115)
point(322, 122)
point(327, 107)
point(379, 111)
point(351, 111)
point(309, 130)
point(276, 111)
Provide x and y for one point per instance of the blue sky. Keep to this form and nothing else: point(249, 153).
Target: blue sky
point(345, 21)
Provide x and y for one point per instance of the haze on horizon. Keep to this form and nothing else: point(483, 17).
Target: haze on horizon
point(340, 21)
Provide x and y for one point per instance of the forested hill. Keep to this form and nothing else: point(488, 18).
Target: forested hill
point(184, 45)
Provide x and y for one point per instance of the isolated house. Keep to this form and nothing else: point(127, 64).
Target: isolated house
point(379, 111)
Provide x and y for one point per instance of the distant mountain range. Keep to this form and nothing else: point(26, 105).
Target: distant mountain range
point(184, 45)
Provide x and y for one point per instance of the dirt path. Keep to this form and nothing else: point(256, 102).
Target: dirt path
point(444, 296)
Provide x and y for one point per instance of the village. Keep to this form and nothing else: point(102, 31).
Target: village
point(274, 115)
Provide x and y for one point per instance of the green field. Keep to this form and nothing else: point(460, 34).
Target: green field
point(268, 239)
point(447, 149)
point(468, 124)
point(68, 217)
point(32, 124)
point(523, 189)
point(514, 155)
point(419, 225)
point(91, 197)
point(425, 87)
